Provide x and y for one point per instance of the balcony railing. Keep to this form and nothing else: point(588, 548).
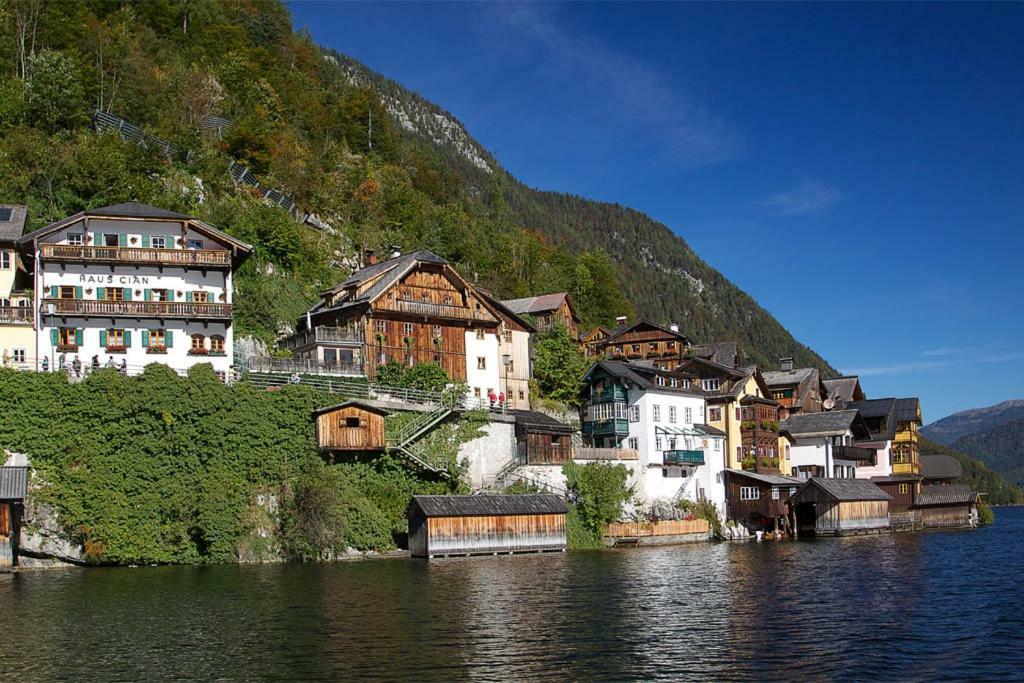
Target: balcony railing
point(323, 335)
point(906, 468)
point(305, 366)
point(613, 427)
point(612, 393)
point(431, 310)
point(679, 457)
point(905, 436)
point(138, 309)
point(587, 453)
point(200, 258)
point(17, 315)
point(854, 453)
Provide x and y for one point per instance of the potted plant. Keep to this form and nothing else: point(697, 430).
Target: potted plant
point(749, 463)
point(156, 350)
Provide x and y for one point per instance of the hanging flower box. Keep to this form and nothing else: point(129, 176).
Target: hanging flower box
point(156, 350)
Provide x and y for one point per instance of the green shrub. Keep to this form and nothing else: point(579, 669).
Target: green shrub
point(706, 510)
point(986, 515)
point(597, 492)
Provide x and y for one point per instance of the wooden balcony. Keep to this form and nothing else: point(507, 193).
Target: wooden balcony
point(854, 453)
point(906, 468)
point(426, 309)
point(905, 436)
point(16, 315)
point(612, 427)
point(185, 258)
point(186, 310)
point(615, 393)
point(326, 336)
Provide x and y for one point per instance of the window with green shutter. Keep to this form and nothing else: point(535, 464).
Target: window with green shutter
point(145, 241)
point(188, 296)
point(78, 292)
point(55, 336)
point(101, 293)
point(168, 339)
point(54, 292)
point(127, 339)
point(103, 338)
point(147, 295)
point(79, 336)
point(122, 240)
point(127, 294)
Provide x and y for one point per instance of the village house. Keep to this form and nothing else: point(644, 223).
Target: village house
point(893, 423)
point(824, 444)
point(543, 440)
point(947, 506)
point(350, 426)
point(547, 311)
point(661, 415)
point(17, 333)
point(133, 284)
point(843, 390)
point(759, 502)
point(410, 309)
point(517, 355)
point(645, 343)
point(590, 342)
point(720, 353)
point(839, 507)
point(797, 390)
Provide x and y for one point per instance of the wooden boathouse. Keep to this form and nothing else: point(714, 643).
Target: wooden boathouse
point(944, 506)
point(440, 526)
point(837, 507)
point(13, 488)
point(350, 426)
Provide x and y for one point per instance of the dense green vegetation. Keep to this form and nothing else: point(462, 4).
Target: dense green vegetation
point(558, 366)
point(597, 492)
point(159, 468)
point(302, 122)
point(979, 476)
point(1000, 448)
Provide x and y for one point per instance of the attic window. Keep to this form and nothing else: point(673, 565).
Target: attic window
point(352, 422)
point(5, 214)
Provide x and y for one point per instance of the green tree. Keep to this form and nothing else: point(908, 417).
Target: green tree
point(55, 96)
point(597, 492)
point(559, 365)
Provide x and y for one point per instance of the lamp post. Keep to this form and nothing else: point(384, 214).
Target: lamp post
point(506, 359)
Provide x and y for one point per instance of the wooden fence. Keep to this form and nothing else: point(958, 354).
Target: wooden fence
point(665, 527)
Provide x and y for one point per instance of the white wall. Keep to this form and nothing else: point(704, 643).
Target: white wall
point(812, 451)
point(883, 466)
point(489, 377)
point(487, 455)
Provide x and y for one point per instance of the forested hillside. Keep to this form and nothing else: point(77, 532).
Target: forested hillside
point(379, 164)
point(952, 427)
point(1001, 448)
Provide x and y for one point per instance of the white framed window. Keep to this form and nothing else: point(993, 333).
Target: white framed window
point(718, 444)
point(775, 493)
point(749, 493)
point(657, 443)
point(672, 414)
point(480, 333)
point(656, 413)
point(158, 241)
point(76, 239)
point(620, 411)
point(688, 415)
point(634, 413)
point(671, 443)
point(195, 244)
point(633, 443)
point(481, 363)
point(5, 260)
point(18, 355)
point(661, 381)
point(710, 384)
point(718, 477)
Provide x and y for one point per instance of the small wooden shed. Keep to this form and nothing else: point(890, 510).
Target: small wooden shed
point(834, 507)
point(486, 524)
point(350, 426)
point(541, 439)
point(947, 506)
point(13, 488)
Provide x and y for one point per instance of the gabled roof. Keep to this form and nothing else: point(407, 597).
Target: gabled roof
point(843, 389)
point(503, 310)
point(370, 408)
point(488, 505)
point(541, 422)
point(602, 331)
point(846, 489)
point(778, 378)
point(908, 409)
point(951, 494)
point(874, 407)
point(721, 353)
point(12, 228)
point(941, 467)
point(541, 303)
point(875, 411)
point(725, 370)
point(643, 377)
point(137, 210)
point(13, 483)
point(708, 430)
point(834, 423)
point(770, 479)
point(645, 324)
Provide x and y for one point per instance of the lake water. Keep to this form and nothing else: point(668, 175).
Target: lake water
point(929, 606)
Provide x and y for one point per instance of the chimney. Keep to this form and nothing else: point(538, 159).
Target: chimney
point(621, 320)
point(369, 257)
point(674, 327)
point(786, 364)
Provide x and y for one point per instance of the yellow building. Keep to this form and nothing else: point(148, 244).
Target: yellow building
point(17, 332)
point(905, 454)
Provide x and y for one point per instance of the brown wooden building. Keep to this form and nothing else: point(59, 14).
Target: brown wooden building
point(835, 507)
point(412, 309)
point(591, 341)
point(947, 506)
point(759, 431)
point(350, 426)
point(798, 390)
point(543, 440)
point(13, 489)
point(759, 502)
point(903, 489)
point(486, 524)
point(547, 311)
point(660, 347)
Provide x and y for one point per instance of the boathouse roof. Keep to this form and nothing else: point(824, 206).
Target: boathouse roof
point(847, 489)
point(362, 405)
point(535, 421)
point(13, 483)
point(951, 494)
point(488, 505)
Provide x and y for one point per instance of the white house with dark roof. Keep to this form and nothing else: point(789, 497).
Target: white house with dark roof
point(661, 415)
point(824, 444)
point(17, 334)
point(133, 284)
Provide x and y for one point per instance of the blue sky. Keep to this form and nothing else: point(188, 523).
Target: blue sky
point(857, 168)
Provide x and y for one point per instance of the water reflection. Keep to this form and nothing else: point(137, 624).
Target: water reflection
point(910, 606)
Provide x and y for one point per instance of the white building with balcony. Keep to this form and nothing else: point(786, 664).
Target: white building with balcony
point(659, 414)
point(17, 335)
point(828, 444)
point(133, 284)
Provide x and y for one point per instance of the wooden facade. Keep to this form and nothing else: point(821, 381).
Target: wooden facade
point(947, 506)
point(663, 347)
point(948, 516)
point(475, 525)
point(591, 342)
point(759, 502)
point(543, 440)
point(902, 490)
point(834, 507)
point(759, 431)
point(548, 311)
point(13, 489)
point(350, 426)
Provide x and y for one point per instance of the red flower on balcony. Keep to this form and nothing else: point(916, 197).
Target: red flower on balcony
point(117, 349)
point(199, 352)
point(156, 349)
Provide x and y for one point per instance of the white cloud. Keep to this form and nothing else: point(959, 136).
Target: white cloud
point(807, 197)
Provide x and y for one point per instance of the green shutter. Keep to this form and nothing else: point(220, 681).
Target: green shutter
point(55, 336)
point(97, 239)
point(122, 240)
point(103, 338)
point(146, 296)
point(145, 339)
point(188, 296)
point(79, 336)
point(145, 241)
point(127, 339)
point(127, 293)
point(170, 295)
point(169, 241)
point(54, 292)
point(168, 339)
point(78, 292)
point(101, 293)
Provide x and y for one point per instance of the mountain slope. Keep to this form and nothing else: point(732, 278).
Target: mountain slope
point(979, 476)
point(953, 427)
point(1001, 448)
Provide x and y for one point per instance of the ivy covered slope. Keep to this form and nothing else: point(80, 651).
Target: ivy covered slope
point(383, 166)
point(164, 469)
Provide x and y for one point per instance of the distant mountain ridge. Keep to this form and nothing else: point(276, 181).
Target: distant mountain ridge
point(953, 427)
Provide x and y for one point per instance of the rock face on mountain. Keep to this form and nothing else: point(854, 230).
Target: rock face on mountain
point(958, 425)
